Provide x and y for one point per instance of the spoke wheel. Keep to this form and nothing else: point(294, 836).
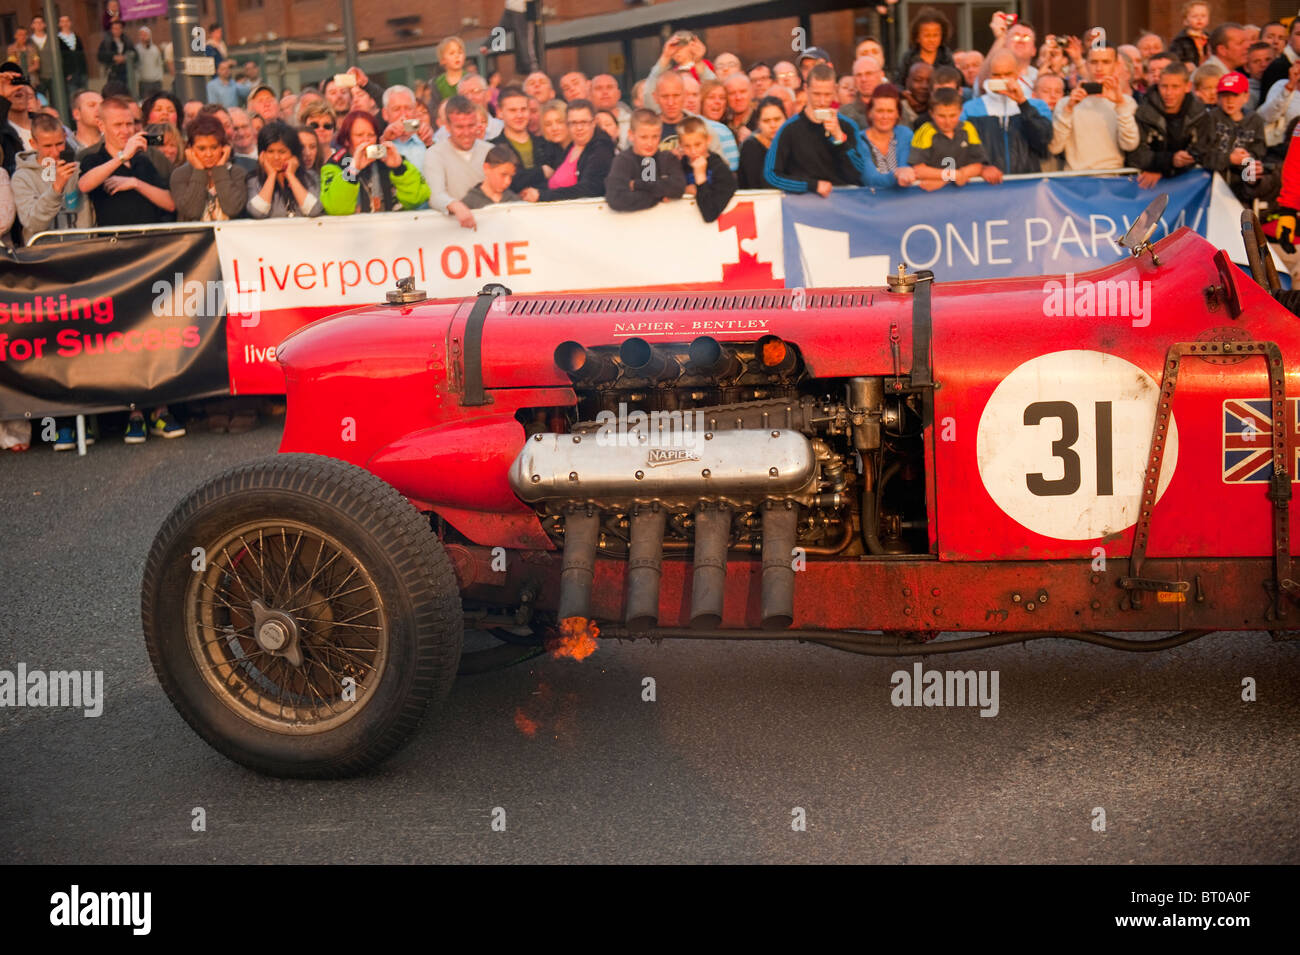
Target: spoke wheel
point(301, 615)
point(287, 627)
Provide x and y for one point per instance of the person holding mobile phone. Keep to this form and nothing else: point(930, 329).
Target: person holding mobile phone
point(44, 203)
point(819, 148)
point(1016, 129)
point(1096, 124)
point(118, 177)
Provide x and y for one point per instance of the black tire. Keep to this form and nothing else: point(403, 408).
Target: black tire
point(287, 712)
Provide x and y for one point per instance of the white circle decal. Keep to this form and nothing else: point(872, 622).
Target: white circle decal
point(1064, 440)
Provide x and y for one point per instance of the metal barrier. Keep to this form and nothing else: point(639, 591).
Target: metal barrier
point(64, 235)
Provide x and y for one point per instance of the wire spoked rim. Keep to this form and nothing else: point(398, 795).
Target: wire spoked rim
point(286, 626)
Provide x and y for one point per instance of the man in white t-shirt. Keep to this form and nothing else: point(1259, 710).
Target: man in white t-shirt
point(1095, 130)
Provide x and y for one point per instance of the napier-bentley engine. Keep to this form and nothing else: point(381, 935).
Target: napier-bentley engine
point(712, 449)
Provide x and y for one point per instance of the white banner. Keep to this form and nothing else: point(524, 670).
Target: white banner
point(346, 261)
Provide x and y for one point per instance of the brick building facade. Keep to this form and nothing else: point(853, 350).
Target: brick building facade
point(390, 24)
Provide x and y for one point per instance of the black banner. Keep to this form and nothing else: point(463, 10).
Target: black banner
point(111, 321)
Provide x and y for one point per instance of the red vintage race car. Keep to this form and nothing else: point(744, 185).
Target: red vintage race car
point(865, 468)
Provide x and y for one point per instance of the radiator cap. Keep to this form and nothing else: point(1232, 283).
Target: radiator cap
point(902, 283)
point(406, 293)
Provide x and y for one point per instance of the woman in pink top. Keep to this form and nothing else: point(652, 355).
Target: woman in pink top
point(585, 165)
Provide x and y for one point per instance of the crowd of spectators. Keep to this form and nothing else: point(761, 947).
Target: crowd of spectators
point(1217, 95)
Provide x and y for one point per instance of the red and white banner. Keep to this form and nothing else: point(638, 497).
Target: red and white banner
point(284, 273)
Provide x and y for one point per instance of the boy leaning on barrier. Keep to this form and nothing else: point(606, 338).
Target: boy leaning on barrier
point(708, 177)
point(643, 175)
point(948, 149)
point(499, 168)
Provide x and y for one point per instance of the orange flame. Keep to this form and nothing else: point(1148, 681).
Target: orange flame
point(577, 639)
point(525, 725)
point(773, 352)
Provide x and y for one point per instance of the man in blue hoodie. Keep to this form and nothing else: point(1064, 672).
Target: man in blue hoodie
point(1014, 129)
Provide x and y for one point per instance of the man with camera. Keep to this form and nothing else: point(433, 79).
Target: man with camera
point(45, 182)
point(683, 53)
point(118, 176)
point(1095, 125)
point(406, 130)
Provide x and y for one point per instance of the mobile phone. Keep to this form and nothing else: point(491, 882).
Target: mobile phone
point(376, 151)
point(1009, 18)
point(153, 139)
point(410, 125)
point(995, 85)
point(823, 115)
point(68, 155)
point(346, 80)
point(1092, 89)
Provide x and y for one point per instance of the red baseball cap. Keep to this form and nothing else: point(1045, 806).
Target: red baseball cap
point(1233, 83)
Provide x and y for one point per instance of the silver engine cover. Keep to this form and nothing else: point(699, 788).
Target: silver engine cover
point(739, 466)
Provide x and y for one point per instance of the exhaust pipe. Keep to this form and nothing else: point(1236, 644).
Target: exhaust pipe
point(584, 366)
point(578, 571)
point(645, 566)
point(775, 356)
point(780, 522)
point(706, 356)
point(712, 536)
point(640, 359)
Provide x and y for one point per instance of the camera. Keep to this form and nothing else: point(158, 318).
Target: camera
point(995, 85)
point(345, 80)
point(376, 151)
point(823, 115)
point(1092, 89)
point(410, 125)
point(153, 139)
point(1062, 40)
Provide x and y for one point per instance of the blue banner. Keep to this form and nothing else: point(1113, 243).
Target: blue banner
point(977, 231)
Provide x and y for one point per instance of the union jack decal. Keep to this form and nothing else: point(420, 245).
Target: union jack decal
point(1248, 440)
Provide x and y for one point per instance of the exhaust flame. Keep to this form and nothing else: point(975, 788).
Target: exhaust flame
point(525, 725)
point(577, 639)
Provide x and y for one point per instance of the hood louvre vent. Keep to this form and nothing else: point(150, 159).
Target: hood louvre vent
point(681, 302)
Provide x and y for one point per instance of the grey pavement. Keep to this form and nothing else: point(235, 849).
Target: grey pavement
point(738, 739)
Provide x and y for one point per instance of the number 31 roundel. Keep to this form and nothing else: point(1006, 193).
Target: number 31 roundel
point(1064, 440)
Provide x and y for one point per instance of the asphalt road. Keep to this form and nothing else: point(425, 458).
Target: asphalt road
point(711, 771)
